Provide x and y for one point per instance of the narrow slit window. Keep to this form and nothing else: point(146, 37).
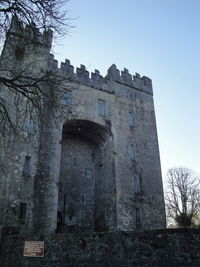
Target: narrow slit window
point(101, 109)
point(132, 152)
point(137, 184)
point(31, 127)
point(138, 217)
point(100, 159)
point(67, 99)
point(22, 212)
point(130, 118)
point(27, 167)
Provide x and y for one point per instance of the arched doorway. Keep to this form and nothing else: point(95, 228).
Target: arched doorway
point(87, 182)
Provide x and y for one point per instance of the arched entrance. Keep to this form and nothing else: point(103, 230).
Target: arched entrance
point(87, 182)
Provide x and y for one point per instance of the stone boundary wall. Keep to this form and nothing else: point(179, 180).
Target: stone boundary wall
point(173, 247)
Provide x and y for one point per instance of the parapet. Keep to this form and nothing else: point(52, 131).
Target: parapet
point(30, 33)
point(95, 79)
point(81, 74)
point(141, 83)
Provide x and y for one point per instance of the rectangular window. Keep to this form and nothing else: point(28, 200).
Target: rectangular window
point(137, 184)
point(130, 95)
point(130, 118)
point(31, 127)
point(67, 99)
point(101, 110)
point(26, 172)
point(22, 213)
point(138, 218)
point(132, 151)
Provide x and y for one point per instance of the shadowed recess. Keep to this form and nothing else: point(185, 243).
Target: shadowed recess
point(87, 130)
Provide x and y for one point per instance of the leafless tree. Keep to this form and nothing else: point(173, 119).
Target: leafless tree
point(44, 14)
point(30, 92)
point(182, 196)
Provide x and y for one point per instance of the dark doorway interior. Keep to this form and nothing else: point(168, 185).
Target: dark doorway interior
point(86, 178)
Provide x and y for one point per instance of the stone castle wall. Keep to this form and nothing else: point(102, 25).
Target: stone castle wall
point(97, 166)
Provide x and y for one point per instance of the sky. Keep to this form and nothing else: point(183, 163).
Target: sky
point(156, 38)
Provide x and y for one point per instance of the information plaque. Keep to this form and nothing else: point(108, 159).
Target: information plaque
point(34, 249)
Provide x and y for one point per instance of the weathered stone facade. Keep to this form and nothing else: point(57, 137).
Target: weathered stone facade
point(155, 248)
point(96, 167)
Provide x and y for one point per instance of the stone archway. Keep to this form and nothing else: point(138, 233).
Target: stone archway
point(87, 182)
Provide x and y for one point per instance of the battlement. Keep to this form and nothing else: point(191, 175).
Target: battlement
point(95, 79)
point(30, 33)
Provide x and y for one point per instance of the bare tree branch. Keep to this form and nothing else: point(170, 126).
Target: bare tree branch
point(27, 84)
point(182, 196)
point(44, 14)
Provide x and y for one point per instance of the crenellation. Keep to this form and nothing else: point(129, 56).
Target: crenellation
point(82, 67)
point(16, 25)
point(113, 73)
point(82, 74)
point(31, 33)
point(147, 81)
point(137, 81)
point(48, 37)
point(137, 75)
point(67, 68)
point(95, 79)
point(50, 61)
point(97, 72)
point(127, 77)
point(55, 64)
point(31, 29)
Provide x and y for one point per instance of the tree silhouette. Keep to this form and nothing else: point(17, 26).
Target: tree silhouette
point(26, 87)
point(182, 196)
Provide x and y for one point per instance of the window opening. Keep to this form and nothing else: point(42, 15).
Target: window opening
point(27, 167)
point(22, 212)
point(101, 110)
point(67, 99)
point(137, 184)
point(138, 217)
point(132, 151)
point(130, 118)
point(31, 127)
point(130, 95)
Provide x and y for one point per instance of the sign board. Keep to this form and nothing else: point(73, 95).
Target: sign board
point(34, 249)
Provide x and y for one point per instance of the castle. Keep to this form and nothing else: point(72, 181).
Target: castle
point(96, 167)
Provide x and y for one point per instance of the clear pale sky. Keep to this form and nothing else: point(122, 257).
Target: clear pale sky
point(156, 38)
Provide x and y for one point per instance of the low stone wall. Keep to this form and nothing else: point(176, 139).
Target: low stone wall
point(177, 247)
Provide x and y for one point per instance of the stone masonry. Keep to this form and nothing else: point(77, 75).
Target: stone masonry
point(96, 167)
point(155, 248)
